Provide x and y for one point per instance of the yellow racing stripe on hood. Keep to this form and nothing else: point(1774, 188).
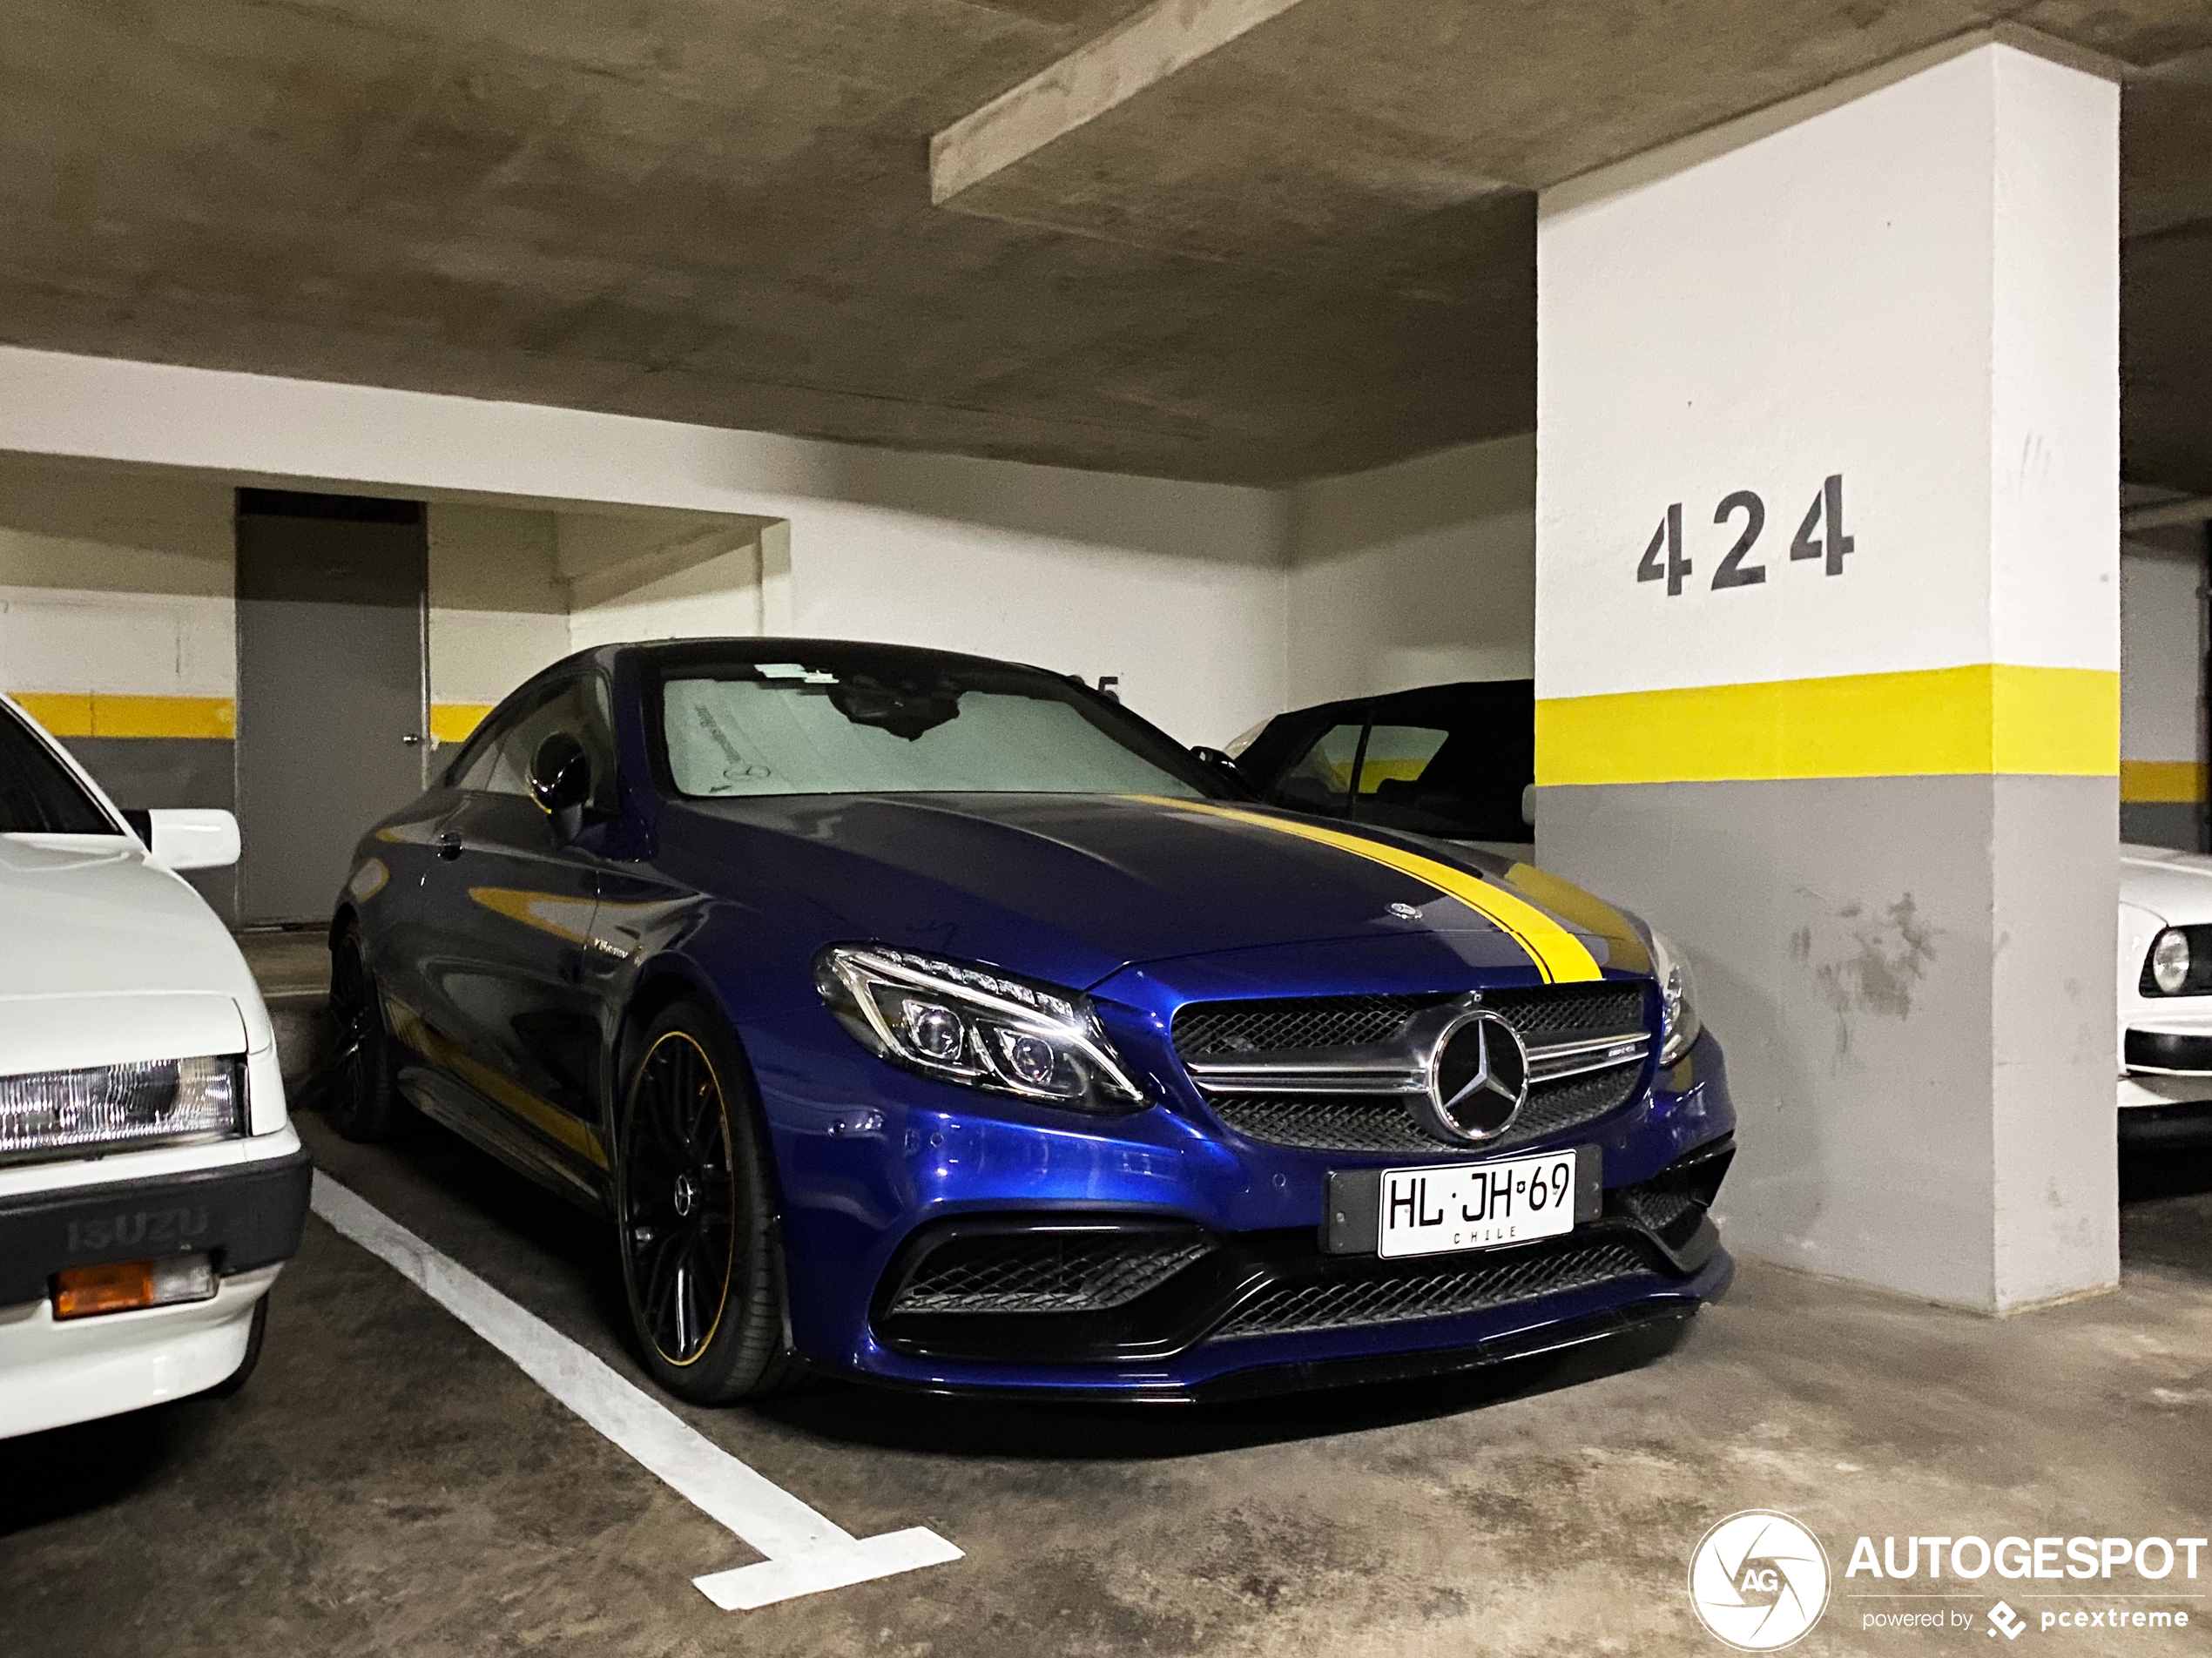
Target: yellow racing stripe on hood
point(1559, 955)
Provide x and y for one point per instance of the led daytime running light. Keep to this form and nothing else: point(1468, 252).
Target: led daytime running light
point(1010, 1008)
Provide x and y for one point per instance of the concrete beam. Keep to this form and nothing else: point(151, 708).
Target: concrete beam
point(1139, 52)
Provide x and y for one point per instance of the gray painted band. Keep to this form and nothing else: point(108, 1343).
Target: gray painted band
point(1913, 981)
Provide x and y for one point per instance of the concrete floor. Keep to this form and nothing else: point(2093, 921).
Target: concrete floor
point(390, 1484)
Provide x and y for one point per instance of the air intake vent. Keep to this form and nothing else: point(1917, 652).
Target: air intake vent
point(1401, 1298)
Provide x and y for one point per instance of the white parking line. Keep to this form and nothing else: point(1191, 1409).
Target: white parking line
point(805, 1552)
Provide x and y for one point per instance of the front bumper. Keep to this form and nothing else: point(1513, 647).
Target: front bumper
point(2168, 1124)
point(247, 1217)
point(860, 1206)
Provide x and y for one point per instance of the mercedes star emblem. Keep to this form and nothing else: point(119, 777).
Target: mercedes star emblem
point(1478, 1079)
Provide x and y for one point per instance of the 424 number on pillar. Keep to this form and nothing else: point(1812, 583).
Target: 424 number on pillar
point(1819, 537)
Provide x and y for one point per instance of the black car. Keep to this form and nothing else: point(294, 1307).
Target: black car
point(1455, 761)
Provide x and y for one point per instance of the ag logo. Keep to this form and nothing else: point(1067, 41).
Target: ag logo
point(1758, 1581)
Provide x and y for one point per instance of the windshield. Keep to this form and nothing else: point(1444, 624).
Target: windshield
point(37, 795)
point(867, 720)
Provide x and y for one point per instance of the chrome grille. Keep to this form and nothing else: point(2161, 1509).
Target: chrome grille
point(1328, 1083)
point(1344, 1304)
point(1381, 1122)
point(1209, 1027)
point(1549, 1013)
point(1041, 1272)
point(1337, 1123)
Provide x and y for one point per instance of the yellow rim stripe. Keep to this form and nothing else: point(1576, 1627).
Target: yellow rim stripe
point(97, 713)
point(1983, 719)
point(1559, 955)
point(2161, 782)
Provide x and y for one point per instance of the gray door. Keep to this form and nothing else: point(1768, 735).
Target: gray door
point(330, 687)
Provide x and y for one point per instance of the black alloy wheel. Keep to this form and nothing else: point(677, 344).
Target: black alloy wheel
point(701, 1267)
point(361, 1099)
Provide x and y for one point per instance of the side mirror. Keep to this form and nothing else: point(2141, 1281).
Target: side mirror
point(179, 838)
point(1529, 805)
point(560, 781)
point(1215, 757)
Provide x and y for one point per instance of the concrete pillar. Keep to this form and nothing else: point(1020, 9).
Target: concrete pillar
point(1827, 645)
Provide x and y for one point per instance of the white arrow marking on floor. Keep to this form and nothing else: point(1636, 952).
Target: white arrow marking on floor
point(806, 1552)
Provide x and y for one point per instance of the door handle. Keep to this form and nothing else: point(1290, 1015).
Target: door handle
point(448, 844)
point(412, 739)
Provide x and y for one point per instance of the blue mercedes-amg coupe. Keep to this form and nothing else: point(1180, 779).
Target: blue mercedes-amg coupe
point(938, 1022)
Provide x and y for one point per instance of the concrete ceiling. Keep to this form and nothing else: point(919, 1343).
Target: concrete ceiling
point(1308, 250)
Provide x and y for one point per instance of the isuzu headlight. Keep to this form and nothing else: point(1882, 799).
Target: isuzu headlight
point(2168, 967)
point(1678, 1025)
point(961, 1022)
point(112, 1108)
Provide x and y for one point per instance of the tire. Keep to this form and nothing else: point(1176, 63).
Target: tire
point(238, 1379)
point(696, 1214)
point(361, 1101)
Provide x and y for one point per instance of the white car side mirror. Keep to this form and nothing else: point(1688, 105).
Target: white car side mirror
point(192, 839)
point(1529, 805)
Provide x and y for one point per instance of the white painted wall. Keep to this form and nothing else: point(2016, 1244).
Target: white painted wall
point(2160, 654)
point(498, 608)
point(1415, 574)
point(114, 582)
point(1768, 359)
point(1178, 587)
point(718, 596)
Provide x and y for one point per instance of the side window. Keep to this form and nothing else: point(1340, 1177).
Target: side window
point(1320, 779)
point(1397, 756)
point(501, 765)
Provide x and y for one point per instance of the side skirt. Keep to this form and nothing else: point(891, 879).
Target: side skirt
point(454, 1105)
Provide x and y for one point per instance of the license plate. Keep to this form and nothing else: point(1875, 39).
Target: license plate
point(1476, 1206)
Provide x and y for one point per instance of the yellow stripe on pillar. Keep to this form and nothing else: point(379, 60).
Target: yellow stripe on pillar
point(1979, 720)
point(99, 713)
point(215, 717)
point(2161, 782)
point(456, 722)
point(64, 714)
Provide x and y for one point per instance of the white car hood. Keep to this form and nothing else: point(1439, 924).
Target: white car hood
point(106, 956)
point(2175, 886)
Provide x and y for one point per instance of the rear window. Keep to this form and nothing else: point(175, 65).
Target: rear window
point(38, 794)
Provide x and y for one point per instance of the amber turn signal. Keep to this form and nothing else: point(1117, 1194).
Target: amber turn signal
point(83, 1290)
point(124, 1286)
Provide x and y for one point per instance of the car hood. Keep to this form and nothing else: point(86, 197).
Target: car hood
point(1073, 888)
point(2175, 886)
point(109, 933)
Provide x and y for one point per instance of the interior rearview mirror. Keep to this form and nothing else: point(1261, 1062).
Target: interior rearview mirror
point(560, 780)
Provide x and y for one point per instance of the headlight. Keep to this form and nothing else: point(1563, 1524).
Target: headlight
point(112, 1108)
point(1678, 1025)
point(2169, 960)
point(963, 1023)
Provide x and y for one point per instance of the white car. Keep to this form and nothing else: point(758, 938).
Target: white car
point(152, 1185)
point(2165, 997)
